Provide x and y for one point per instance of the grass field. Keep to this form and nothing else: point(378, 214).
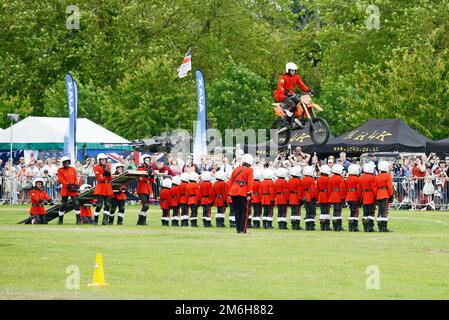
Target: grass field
point(158, 262)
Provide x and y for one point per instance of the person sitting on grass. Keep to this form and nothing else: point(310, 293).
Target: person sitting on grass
point(39, 198)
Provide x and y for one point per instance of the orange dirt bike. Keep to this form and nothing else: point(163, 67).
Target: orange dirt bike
point(305, 111)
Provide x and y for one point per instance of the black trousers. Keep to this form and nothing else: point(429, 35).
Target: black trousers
point(144, 201)
point(76, 203)
point(120, 204)
point(354, 209)
point(324, 208)
point(268, 212)
point(257, 210)
point(382, 206)
point(103, 199)
point(310, 209)
point(240, 206)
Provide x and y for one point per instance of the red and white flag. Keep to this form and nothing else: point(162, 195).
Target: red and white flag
point(186, 66)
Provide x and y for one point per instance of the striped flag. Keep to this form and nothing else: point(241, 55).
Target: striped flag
point(186, 66)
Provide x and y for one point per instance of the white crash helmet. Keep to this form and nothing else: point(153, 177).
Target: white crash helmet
point(369, 167)
point(143, 157)
point(85, 187)
point(64, 159)
point(101, 156)
point(337, 169)
point(176, 180)
point(295, 171)
point(185, 177)
point(353, 169)
point(193, 176)
point(308, 171)
point(281, 172)
point(268, 174)
point(115, 166)
point(325, 169)
point(383, 166)
point(248, 159)
point(290, 66)
point(220, 175)
point(206, 176)
point(166, 183)
point(38, 180)
point(257, 175)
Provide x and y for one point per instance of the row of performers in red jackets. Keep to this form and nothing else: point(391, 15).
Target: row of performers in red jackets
point(183, 195)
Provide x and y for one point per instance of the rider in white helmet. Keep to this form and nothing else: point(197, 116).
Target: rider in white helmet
point(285, 91)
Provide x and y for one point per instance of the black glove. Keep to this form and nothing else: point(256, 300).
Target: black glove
point(72, 187)
point(44, 202)
point(106, 173)
point(311, 93)
point(41, 201)
point(51, 202)
point(390, 200)
point(150, 171)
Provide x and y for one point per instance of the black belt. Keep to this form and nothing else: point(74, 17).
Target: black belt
point(183, 194)
point(307, 189)
point(336, 190)
point(37, 205)
point(367, 190)
point(324, 190)
point(352, 189)
point(382, 188)
point(266, 194)
point(192, 195)
point(219, 196)
point(205, 196)
point(294, 191)
point(279, 193)
point(255, 193)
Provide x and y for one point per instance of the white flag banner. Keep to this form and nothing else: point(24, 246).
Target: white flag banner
point(186, 66)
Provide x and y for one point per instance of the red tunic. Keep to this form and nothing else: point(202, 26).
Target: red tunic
point(193, 190)
point(183, 196)
point(309, 186)
point(144, 183)
point(175, 196)
point(67, 176)
point(103, 187)
point(353, 193)
point(221, 193)
point(293, 188)
point(288, 82)
point(37, 195)
point(384, 186)
point(255, 194)
point(281, 191)
point(86, 211)
point(242, 174)
point(164, 198)
point(322, 185)
point(337, 189)
point(268, 193)
point(367, 188)
point(207, 193)
point(120, 194)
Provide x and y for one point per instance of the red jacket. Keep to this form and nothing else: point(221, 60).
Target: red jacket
point(322, 185)
point(144, 183)
point(120, 193)
point(293, 188)
point(287, 83)
point(37, 195)
point(267, 191)
point(207, 193)
point(255, 194)
point(337, 189)
point(164, 198)
point(103, 187)
point(353, 193)
point(193, 191)
point(367, 188)
point(242, 174)
point(282, 194)
point(175, 195)
point(384, 186)
point(65, 177)
point(183, 196)
point(86, 211)
point(221, 193)
point(309, 186)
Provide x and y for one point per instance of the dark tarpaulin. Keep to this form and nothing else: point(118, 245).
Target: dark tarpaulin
point(440, 146)
point(377, 135)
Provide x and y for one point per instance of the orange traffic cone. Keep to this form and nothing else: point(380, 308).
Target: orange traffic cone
point(98, 279)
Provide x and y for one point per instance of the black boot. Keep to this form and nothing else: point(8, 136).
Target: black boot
point(370, 225)
point(105, 219)
point(379, 226)
point(119, 221)
point(111, 218)
point(61, 220)
point(193, 223)
point(95, 219)
point(264, 224)
point(334, 225)
point(78, 218)
point(350, 223)
point(90, 220)
point(355, 226)
point(249, 225)
point(270, 225)
point(312, 225)
point(384, 227)
point(223, 225)
point(365, 225)
point(299, 225)
point(174, 223)
point(44, 219)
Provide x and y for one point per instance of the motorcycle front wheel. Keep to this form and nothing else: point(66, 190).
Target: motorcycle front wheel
point(319, 131)
point(283, 133)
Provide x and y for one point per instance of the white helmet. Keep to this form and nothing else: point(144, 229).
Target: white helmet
point(369, 167)
point(117, 165)
point(64, 159)
point(248, 159)
point(220, 175)
point(206, 175)
point(281, 172)
point(268, 173)
point(38, 180)
point(295, 171)
point(85, 187)
point(325, 169)
point(383, 166)
point(143, 157)
point(185, 177)
point(166, 183)
point(101, 156)
point(257, 175)
point(176, 180)
point(290, 66)
point(308, 171)
point(353, 169)
point(337, 169)
point(193, 176)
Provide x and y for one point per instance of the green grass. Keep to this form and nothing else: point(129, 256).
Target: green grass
point(158, 262)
